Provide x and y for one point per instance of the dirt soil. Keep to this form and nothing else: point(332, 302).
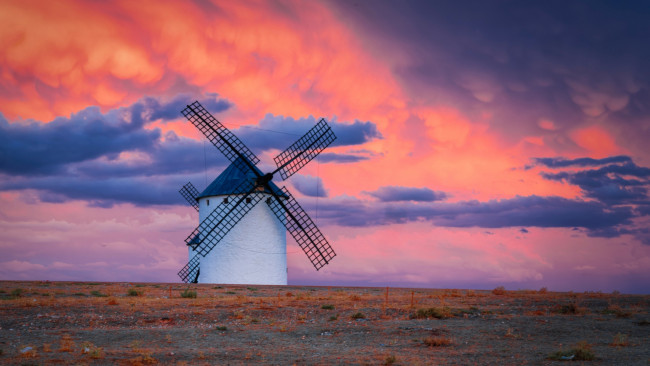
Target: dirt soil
point(139, 324)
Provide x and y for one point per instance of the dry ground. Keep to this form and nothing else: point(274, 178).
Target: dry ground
point(137, 324)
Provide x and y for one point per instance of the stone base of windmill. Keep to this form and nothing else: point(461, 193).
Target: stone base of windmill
point(254, 252)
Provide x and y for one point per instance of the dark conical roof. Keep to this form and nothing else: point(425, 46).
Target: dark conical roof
point(231, 178)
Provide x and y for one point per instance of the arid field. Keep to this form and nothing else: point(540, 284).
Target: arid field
point(169, 324)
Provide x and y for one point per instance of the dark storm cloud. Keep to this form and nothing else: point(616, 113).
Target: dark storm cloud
point(113, 157)
point(582, 162)
point(396, 193)
point(340, 158)
point(279, 132)
point(171, 110)
point(531, 211)
point(140, 191)
point(35, 148)
point(617, 181)
point(309, 186)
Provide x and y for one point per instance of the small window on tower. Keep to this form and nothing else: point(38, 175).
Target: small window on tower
point(248, 200)
point(208, 201)
point(225, 200)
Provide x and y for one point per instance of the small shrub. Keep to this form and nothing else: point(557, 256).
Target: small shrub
point(222, 328)
point(230, 292)
point(438, 313)
point(96, 353)
point(327, 307)
point(288, 294)
point(571, 308)
point(80, 294)
point(188, 294)
point(67, 344)
point(499, 291)
point(358, 315)
point(543, 290)
point(389, 360)
point(620, 340)
point(133, 292)
point(580, 352)
point(355, 297)
point(333, 318)
point(17, 292)
point(251, 289)
point(112, 302)
point(618, 311)
point(97, 294)
point(437, 342)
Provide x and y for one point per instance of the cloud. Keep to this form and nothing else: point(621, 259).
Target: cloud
point(617, 181)
point(279, 132)
point(44, 148)
point(115, 157)
point(395, 193)
point(530, 211)
point(340, 158)
point(105, 192)
point(519, 62)
point(309, 185)
point(35, 148)
point(581, 162)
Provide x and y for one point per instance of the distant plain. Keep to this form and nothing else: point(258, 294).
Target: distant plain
point(44, 322)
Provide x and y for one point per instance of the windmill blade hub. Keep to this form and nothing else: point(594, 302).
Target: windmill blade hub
point(265, 179)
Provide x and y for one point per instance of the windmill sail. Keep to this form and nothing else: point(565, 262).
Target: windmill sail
point(220, 136)
point(304, 150)
point(190, 193)
point(190, 273)
point(303, 229)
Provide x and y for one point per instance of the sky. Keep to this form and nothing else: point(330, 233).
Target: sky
point(480, 144)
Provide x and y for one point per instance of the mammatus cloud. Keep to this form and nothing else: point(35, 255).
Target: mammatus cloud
point(395, 193)
point(549, 65)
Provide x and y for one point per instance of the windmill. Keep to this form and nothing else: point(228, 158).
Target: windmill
point(235, 194)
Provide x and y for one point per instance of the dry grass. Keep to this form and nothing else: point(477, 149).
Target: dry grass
point(437, 342)
point(67, 344)
point(580, 352)
point(301, 319)
point(620, 340)
point(434, 312)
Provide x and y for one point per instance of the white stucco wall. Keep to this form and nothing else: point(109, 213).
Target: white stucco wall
point(253, 252)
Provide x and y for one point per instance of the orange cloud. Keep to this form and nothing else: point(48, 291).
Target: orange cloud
point(597, 141)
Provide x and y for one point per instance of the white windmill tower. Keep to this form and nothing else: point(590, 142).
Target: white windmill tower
point(239, 241)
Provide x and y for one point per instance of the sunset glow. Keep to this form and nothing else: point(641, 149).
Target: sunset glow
point(478, 146)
